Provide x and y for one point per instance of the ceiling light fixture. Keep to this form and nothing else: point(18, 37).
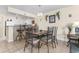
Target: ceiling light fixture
point(39, 13)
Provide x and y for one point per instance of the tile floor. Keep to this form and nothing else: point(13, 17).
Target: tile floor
point(17, 47)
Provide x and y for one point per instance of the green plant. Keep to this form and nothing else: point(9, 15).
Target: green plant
point(69, 26)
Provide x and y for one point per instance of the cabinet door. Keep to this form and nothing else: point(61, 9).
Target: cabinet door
point(2, 28)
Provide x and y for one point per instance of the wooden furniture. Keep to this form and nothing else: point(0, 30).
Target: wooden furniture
point(34, 39)
point(55, 34)
point(20, 35)
point(51, 37)
point(73, 37)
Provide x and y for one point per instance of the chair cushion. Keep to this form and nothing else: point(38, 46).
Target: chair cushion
point(35, 41)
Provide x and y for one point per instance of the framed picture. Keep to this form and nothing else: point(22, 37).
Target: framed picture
point(52, 19)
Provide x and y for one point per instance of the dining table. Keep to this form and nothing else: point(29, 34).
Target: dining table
point(39, 35)
point(73, 37)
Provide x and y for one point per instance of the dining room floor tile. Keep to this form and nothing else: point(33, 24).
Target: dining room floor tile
point(18, 47)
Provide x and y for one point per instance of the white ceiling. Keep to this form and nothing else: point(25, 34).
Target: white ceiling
point(38, 8)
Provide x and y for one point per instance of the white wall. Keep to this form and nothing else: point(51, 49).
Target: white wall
point(64, 20)
point(3, 12)
point(13, 25)
point(17, 19)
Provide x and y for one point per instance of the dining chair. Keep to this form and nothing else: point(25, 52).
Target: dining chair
point(32, 40)
point(55, 35)
point(51, 37)
point(48, 38)
point(20, 35)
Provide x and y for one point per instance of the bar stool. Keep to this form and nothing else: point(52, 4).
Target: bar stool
point(33, 40)
point(20, 34)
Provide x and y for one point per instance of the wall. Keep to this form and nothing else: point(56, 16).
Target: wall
point(13, 25)
point(3, 12)
point(64, 20)
point(17, 19)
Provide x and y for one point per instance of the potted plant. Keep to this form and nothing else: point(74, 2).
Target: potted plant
point(69, 26)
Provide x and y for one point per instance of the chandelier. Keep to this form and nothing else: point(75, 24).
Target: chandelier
point(39, 13)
